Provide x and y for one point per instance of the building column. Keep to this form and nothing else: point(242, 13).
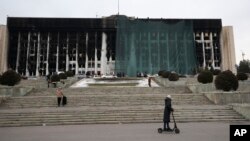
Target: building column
point(203, 49)
point(212, 49)
point(3, 48)
point(86, 59)
point(76, 61)
point(67, 53)
point(38, 56)
point(228, 49)
point(47, 62)
point(57, 53)
point(27, 56)
point(95, 53)
point(18, 51)
point(103, 54)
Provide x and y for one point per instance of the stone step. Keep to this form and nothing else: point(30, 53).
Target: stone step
point(103, 116)
point(115, 118)
point(110, 105)
point(112, 90)
point(105, 100)
point(94, 115)
point(112, 120)
point(121, 112)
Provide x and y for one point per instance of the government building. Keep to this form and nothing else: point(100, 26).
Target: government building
point(115, 44)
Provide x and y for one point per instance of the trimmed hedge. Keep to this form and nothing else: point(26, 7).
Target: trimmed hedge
point(226, 81)
point(165, 74)
point(63, 76)
point(205, 77)
point(216, 72)
point(10, 78)
point(242, 76)
point(55, 78)
point(173, 77)
point(69, 73)
point(160, 73)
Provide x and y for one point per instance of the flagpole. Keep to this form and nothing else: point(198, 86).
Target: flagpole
point(118, 6)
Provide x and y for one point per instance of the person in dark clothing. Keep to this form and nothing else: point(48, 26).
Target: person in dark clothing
point(59, 95)
point(167, 111)
point(149, 81)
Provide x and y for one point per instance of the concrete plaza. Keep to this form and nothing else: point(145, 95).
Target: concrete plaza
point(196, 131)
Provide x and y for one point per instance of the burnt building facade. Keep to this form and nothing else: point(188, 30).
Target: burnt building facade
point(42, 46)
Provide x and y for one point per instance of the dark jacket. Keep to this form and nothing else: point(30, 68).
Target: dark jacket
point(168, 109)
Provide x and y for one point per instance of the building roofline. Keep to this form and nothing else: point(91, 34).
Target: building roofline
point(115, 16)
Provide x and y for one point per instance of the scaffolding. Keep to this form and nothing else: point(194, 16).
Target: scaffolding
point(151, 45)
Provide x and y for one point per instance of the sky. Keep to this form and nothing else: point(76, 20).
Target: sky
point(234, 13)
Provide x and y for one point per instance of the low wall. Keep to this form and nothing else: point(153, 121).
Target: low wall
point(14, 91)
point(228, 97)
point(243, 109)
point(244, 86)
point(165, 82)
point(70, 81)
point(210, 87)
point(200, 88)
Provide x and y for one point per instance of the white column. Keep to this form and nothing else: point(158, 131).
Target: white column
point(95, 53)
point(57, 53)
point(18, 51)
point(27, 55)
point(76, 61)
point(228, 49)
point(203, 49)
point(95, 61)
point(47, 62)
point(87, 59)
point(103, 54)
point(38, 55)
point(212, 48)
point(67, 53)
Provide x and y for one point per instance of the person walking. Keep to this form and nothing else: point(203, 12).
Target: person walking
point(149, 81)
point(59, 95)
point(167, 111)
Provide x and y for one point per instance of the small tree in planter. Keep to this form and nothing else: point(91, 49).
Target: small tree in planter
point(63, 76)
point(173, 77)
point(69, 73)
point(10, 78)
point(242, 76)
point(226, 81)
point(244, 66)
point(216, 72)
point(205, 77)
point(212, 69)
point(54, 79)
point(165, 74)
point(160, 73)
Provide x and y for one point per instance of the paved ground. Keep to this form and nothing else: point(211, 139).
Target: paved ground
point(208, 131)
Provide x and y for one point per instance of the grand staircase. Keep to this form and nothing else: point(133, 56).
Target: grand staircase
point(104, 105)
